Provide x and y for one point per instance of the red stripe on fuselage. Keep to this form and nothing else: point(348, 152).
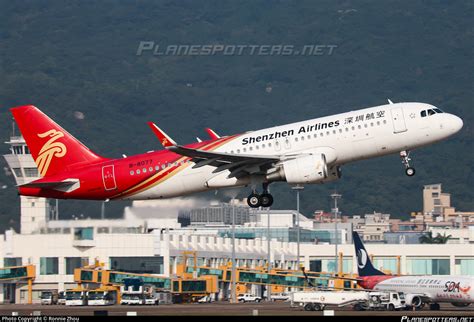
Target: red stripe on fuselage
point(369, 282)
point(162, 175)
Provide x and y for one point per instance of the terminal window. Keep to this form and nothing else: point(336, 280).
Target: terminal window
point(84, 233)
point(11, 261)
point(429, 266)
point(150, 264)
point(31, 172)
point(75, 262)
point(49, 266)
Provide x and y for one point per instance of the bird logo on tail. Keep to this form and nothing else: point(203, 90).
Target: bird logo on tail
point(49, 150)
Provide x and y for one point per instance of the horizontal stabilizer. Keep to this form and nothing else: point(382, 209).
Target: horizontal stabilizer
point(67, 185)
point(165, 140)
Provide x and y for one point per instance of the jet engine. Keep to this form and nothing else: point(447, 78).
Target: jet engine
point(306, 169)
point(415, 301)
point(334, 173)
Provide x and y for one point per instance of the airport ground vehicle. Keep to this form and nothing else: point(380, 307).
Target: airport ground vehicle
point(132, 299)
point(134, 292)
point(280, 297)
point(205, 299)
point(249, 298)
point(361, 300)
point(76, 297)
point(49, 297)
point(151, 300)
point(61, 298)
point(101, 297)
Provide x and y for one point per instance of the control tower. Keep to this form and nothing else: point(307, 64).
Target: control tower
point(34, 211)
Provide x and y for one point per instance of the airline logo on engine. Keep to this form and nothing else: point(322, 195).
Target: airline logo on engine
point(49, 150)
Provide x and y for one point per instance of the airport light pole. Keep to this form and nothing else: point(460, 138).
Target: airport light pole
point(297, 188)
point(269, 296)
point(335, 196)
point(233, 288)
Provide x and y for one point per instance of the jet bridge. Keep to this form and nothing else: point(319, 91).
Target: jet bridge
point(19, 274)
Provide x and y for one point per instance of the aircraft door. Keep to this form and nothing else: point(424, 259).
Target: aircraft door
point(108, 177)
point(398, 120)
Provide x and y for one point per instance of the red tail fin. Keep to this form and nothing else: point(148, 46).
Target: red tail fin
point(53, 148)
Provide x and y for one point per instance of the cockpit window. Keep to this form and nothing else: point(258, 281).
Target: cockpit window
point(423, 113)
point(437, 110)
point(431, 112)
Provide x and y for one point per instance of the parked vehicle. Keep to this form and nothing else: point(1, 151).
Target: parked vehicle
point(101, 297)
point(151, 300)
point(360, 300)
point(49, 297)
point(76, 298)
point(205, 299)
point(248, 298)
point(61, 298)
point(132, 299)
point(280, 297)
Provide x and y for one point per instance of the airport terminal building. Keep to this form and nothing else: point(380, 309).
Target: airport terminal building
point(148, 240)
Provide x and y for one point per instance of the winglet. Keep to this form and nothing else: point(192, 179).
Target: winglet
point(212, 134)
point(165, 140)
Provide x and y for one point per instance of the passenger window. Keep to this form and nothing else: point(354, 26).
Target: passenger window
point(302, 138)
point(150, 169)
point(315, 135)
point(138, 171)
point(132, 173)
point(157, 168)
point(269, 145)
point(263, 146)
point(238, 150)
point(423, 113)
point(163, 166)
point(296, 139)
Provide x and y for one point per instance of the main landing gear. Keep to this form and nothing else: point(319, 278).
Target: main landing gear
point(255, 200)
point(405, 156)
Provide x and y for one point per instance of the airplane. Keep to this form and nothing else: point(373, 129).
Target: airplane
point(418, 289)
point(307, 152)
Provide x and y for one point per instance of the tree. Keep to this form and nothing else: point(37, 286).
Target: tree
point(428, 238)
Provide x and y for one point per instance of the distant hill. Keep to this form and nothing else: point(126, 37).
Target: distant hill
point(68, 57)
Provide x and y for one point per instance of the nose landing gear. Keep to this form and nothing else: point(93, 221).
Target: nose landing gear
point(405, 156)
point(255, 200)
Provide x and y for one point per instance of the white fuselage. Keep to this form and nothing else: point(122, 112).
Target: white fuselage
point(343, 138)
point(438, 288)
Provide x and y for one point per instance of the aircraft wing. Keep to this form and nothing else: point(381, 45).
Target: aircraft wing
point(238, 165)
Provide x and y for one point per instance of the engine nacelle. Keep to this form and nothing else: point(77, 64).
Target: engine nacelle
point(414, 300)
point(334, 173)
point(306, 169)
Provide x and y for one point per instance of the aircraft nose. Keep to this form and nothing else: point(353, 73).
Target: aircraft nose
point(455, 123)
